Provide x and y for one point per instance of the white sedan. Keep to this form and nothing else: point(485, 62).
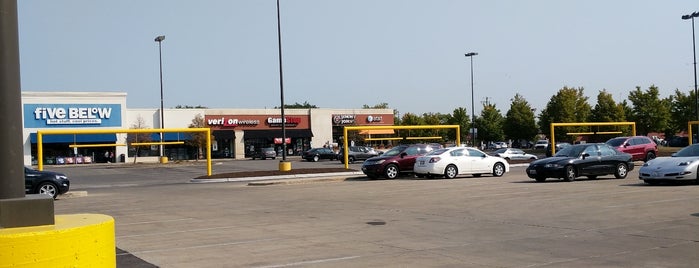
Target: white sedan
point(454, 161)
point(683, 165)
point(514, 154)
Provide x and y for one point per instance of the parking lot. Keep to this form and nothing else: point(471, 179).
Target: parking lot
point(509, 221)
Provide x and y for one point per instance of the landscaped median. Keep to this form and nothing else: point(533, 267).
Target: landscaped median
point(269, 177)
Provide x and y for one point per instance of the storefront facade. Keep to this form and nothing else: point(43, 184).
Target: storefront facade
point(236, 132)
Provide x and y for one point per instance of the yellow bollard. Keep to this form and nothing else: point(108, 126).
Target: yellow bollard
point(79, 240)
point(284, 166)
point(163, 159)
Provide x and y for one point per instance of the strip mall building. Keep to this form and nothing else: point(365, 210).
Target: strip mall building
point(236, 132)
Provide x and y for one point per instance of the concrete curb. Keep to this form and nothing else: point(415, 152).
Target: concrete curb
point(312, 176)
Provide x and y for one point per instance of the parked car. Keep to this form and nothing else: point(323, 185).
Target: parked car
point(455, 161)
point(45, 182)
point(541, 144)
point(514, 154)
point(264, 153)
point(357, 153)
point(397, 160)
point(317, 154)
point(681, 166)
point(590, 159)
point(639, 147)
point(559, 146)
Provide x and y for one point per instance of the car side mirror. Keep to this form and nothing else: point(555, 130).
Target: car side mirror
point(585, 155)
point(673, 154)
point(403, 154)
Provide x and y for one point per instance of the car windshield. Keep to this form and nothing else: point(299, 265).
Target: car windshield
point(571, 151)
point(688, 151)
point(394, 151)
point(437, 152)
point(616, 142)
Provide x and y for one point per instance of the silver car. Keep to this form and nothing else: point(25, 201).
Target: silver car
point(514, 154)
point(681, 166)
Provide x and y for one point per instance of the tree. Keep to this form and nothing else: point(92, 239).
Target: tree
point(297, 105)
point(411, 119)
point(459, 117)
point(433, 119)
point(198, 139)
point(519, 120)
point(606, 110)
point(382, 105)
point(489, 124)
point(190, 107)
point(138, 137)
point(569, 105)
point(649, 111)
point(681, 112)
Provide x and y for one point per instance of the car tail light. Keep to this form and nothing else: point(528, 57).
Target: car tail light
point(435, 159)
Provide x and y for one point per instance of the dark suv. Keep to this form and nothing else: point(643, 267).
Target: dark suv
point(639, 147)
point(399, 159)
point(264, 153)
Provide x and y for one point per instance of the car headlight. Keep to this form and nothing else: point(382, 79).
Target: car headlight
point(61, 177)
point(685, 163)
point(646, 164)
point(380, 161)
point(552, 165)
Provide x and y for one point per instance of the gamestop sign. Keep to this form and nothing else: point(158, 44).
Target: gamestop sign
point(72, 115)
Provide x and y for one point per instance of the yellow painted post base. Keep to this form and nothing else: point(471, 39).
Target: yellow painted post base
point(284, 166)
point(80, 240)
point(163, 159)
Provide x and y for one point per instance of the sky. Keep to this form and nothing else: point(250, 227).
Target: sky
point(346, 54)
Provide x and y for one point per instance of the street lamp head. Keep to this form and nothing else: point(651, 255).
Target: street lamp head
point(470, 54)
point(160, 38)
point(690, 16)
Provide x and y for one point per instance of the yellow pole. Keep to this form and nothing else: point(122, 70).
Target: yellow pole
point(345, 150)
point(40, 150)
point(553, 141)
point(689, 128)
point(458, 135)
point(208, 151)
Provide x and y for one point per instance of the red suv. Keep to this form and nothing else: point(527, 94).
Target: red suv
point(639, 147)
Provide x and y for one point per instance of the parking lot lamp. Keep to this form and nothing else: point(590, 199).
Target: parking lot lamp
point(160, 39)
point(473, 109)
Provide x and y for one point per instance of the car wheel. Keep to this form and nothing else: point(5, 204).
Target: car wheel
point(351, 159)
point(253, 158)
point(532, 158)
point(263, 158)
point(540, 179)
point(621, 171)
point(316, 158)
point(570, 173)
point(650, 156)
point(274, 158)
point(391, 172)
point(48, 188)
point(451, 171)
point(498, 169)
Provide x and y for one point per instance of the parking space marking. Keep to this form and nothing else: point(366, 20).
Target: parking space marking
point(310, 262)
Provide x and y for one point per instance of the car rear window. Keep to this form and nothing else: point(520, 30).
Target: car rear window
point(616, 142)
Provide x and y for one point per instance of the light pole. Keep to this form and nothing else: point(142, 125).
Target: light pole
point(160, 39)
point(694, 51)
point(473, 109)
point(283, 165)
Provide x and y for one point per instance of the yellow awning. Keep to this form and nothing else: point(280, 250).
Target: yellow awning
point(376, 132)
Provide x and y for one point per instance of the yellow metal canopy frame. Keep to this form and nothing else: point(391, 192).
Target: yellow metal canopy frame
point(40, 134)
point(689, 130)
point(554, 125)
point(359, 128)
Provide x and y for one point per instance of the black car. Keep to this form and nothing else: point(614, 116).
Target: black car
point(316, 154)
point(591, 160)
point(45, 182)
